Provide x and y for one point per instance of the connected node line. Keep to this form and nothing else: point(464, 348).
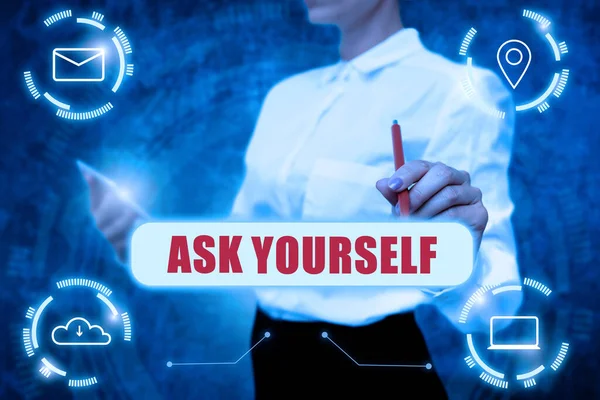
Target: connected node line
point(189, 364)
point(325, 335)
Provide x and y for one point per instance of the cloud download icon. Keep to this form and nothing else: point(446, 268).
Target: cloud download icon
point(79, 332)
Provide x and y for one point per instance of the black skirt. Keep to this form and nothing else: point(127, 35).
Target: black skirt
point(317, 360)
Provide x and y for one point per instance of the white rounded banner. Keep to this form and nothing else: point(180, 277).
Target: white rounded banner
point(417, 254)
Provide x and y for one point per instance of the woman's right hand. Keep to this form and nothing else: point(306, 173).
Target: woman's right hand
point(115, 215)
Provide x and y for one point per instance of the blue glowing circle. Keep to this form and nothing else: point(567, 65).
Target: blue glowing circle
point(36, 341)
point(114, 37)
point(488, 374)
point(542, 102)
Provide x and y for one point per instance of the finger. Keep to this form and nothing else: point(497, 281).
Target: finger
point(85, 169)
point(108, 211)
point(408, 174)
point(473, 215)
point(89, 174)
point(121, 239)
point(89, 178)
point(386, 191)
point(121, 227)
point(120, 249)
point(467, 176)
point(450, 196)
point(438, 177)
point(99, 193)
point(96, 186)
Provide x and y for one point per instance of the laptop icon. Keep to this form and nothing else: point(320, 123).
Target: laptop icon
point(527, 326)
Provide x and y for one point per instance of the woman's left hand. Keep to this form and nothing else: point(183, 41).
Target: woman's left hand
point(439, 191)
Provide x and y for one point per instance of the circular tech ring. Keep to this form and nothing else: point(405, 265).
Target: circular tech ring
point(70, 332)
point(555, 87)
point(84, 58)
point(489, 374)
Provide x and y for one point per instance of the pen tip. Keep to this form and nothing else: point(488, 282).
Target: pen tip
point(395, 122)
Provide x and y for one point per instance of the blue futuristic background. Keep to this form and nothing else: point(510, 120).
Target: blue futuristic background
point(176, 140)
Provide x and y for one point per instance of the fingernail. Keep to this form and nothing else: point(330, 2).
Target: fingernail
point(397, 208)
point(395, 183)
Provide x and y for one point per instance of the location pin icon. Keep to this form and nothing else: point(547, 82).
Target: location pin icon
point(514, 58)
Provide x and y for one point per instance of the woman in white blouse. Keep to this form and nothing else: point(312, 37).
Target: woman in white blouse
point(320, 149)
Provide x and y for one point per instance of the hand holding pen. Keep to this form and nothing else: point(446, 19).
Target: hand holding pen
point(437, 191)
point(116, 216)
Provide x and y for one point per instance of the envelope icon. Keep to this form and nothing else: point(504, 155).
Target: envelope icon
point(78, 65)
